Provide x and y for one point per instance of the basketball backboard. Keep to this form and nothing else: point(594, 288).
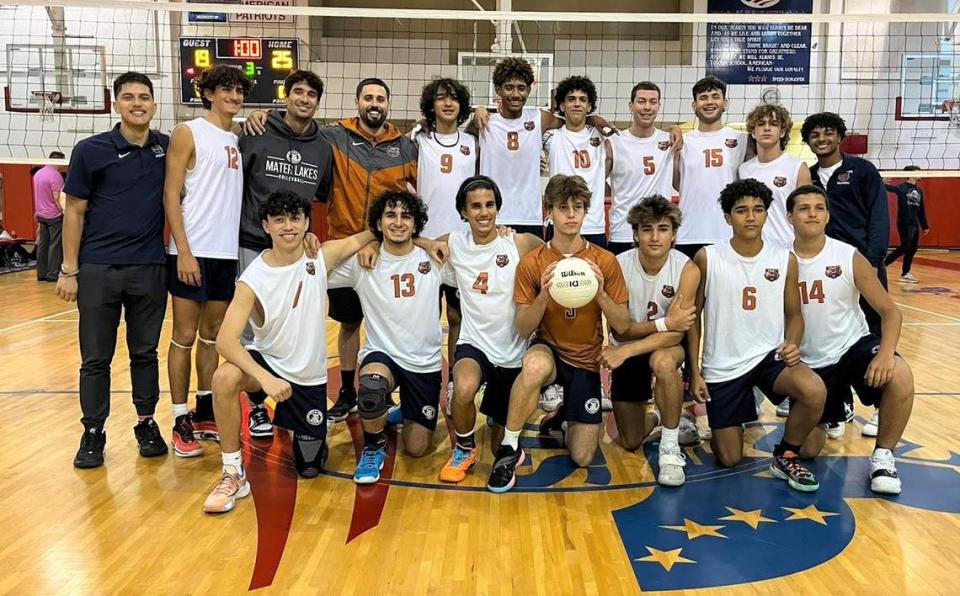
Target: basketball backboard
point(926, 82)
point(67, 79)
point(475, 70)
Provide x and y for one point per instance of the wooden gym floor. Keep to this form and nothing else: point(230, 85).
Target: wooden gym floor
point(136, 525)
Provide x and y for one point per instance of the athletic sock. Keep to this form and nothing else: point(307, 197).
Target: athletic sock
point(881, 451)
point(375, 440)
point(670, 437)
point(180, 410)
point(466, 441)
point(511, 439)
point(784, 446)
point(232, 462)
point(347, 378)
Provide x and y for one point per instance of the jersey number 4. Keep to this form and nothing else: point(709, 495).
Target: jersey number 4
point(483, 283)
point(403, 285)
point(814, 293)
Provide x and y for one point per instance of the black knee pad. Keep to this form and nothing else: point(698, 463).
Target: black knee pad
point(373, 397)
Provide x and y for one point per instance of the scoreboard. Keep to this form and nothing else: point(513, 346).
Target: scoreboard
point(266, 61)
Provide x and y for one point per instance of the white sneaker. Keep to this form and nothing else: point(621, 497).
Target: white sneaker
point(671, 463)
point(835, 430)
point(883, 473)
point(758, 397)
point(871, 428)
point(909, 279)
point(551, 398)
point(449, 407)
point(783, 410)
point(689, 431)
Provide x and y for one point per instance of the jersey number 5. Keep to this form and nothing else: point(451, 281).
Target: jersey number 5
point(408, 288)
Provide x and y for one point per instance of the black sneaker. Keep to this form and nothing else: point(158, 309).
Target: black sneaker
point(346, 405)
point(503, 476)
point(552, 429)
point(149, 438)
point(787, 466)
point(259, 423)
point(309, 455)
point(90, 454)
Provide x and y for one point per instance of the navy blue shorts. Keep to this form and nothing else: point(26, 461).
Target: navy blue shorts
point(690, 250)
point(419, 392)
point(632, 381)
point(732, 403)
point(582, 390)
point(218, 280)
point(846, 373)
point(306, 410)
point(345, 306)
point(620, 247)
point(499, 380)
point(452, 295)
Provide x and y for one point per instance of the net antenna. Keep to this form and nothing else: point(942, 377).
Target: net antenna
point(951, 107)
point(47, 103)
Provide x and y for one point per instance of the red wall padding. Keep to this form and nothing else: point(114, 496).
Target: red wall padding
point(18, 217)
point(943, 213)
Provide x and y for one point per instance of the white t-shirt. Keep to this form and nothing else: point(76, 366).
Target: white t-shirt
point(830, 301)
point(213, 193)
point(444, 162)
point(400, 305)
point(510, 155)
point(485, 275)
point(292, 338)
point(710, 162)
point(651, 295)
point(743, 318)
point(824, 173)
point(780, 176)
point(582, 153)
point(642, 167)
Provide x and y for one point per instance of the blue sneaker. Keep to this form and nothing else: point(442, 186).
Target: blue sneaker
point(370, 464)
point(395, 416)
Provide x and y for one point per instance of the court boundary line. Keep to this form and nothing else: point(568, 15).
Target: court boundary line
point(929, 312)
point(45, 319)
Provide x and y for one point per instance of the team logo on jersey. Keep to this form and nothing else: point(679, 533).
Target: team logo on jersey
point(503, 260)
point(294, 157)
point(315, 417)
point(664, 145)
point(875, 349)
point(833, 271)
point(592, 405)
point(311, 268)
point(667, 291)
point(158, 151)
point(424, 267)
point(464, 149)
point(429, 412)
point(780, 181)
point(594, 142)
point(843, 177)
point(731, 143)
point(393, 151)
point(529, 125)
point(772, 274)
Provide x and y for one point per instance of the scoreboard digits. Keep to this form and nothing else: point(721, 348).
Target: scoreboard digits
point(266, 61)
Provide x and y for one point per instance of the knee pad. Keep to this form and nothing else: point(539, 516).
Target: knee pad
point(209, 342)
point(373, 397)
point(181, 346)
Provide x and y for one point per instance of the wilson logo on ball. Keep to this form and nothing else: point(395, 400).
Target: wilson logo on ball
point(574, 283)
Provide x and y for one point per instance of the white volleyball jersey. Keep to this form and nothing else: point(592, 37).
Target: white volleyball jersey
point(830, 301)
point(293, 336)
point(743, 317)
point(213, 192)
point(582, 153)
point(510, 155)
point(651, 295)
point(485, 275)
point(399, 299)
point(444, 162)
point(641, 167)
point(710, 161)
point(780, 176)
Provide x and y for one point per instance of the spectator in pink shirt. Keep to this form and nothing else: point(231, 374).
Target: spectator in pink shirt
point(48, 206)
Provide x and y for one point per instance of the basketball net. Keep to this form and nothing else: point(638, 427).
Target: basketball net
point(47, 102)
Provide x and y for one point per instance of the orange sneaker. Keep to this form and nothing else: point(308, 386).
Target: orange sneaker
point(459, 464)
point(230, 488)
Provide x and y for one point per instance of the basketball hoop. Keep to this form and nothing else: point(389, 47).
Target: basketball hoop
point(47, 103)
point(951, 107)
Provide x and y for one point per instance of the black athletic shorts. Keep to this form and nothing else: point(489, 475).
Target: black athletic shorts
point(525, 229)
point(582, 390)
point(306, 410)
point(345, 305)
point(419, 392)
point(632, 380)
point(452, 295)
point(732, 403)
point(620, 247)
point(846, 373)
point(218, 280)
point(595, 239)
point(690, 250)
point(499, 380)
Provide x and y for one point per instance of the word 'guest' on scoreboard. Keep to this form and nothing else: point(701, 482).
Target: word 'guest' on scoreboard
point(266, 61)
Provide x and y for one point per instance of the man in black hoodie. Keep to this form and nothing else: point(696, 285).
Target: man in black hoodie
point(911, 218)
point(289, 156)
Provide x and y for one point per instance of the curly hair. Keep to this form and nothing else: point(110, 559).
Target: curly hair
point(748, 187)
point(654, 209)
point(776, 113)
point(561, 189)
point(575, 83)
point(512, 68)
point(410, 203)
point(477, 183)
point(221, 75)
point(283, 202)
point(454, 88)
point(823, 120)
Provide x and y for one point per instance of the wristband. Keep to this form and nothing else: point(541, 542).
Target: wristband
point(661, 324)
point(63, 273)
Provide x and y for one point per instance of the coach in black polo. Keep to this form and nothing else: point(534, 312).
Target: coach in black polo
point(113, 257)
